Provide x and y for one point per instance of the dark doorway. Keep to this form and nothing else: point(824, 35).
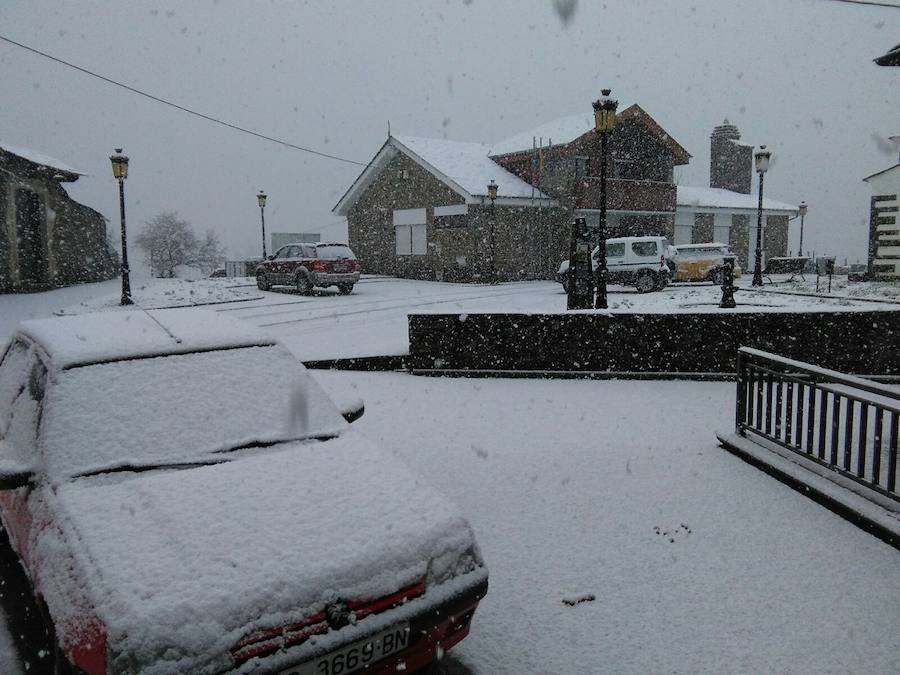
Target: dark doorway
point(30, 239)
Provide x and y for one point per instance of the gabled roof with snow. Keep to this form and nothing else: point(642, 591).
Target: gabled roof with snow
point(464, 166)
point(468, 165)
point(700, 198)
point(878, 173)
point(38, 158)
point(558, 132)
point(114, 336)
point(891, 58)
point(567, 129)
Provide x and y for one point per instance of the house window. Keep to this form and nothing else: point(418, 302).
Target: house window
point(451, 216)
point(581, 166)
point(411, 233)
point(626, 169)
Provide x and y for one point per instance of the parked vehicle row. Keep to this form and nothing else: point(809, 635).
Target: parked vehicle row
point(225, 520)
point(307, 266)
point(647, 263)
point(650, 263)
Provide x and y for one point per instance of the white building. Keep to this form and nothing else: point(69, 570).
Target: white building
point(884, 230)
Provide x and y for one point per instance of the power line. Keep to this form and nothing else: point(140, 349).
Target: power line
point(874, 3)
point(180, 107)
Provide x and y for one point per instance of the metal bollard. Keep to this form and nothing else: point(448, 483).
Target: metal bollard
point(728, 287)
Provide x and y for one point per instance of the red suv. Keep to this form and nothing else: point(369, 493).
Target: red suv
point(309, 265)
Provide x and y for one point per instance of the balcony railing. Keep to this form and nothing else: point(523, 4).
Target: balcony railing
point(846, 423)
point(626, 195)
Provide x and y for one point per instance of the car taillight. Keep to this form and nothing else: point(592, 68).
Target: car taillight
point(354, 266)
point(662, 262)
point(319, 266)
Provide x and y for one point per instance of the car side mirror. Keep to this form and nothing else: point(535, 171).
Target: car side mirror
point(270, 257)
point(353, 410)
point(14, 475)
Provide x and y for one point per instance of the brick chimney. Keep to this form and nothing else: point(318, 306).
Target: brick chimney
point(730, 162)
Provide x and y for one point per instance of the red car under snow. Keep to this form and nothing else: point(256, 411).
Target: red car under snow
point(306, 266)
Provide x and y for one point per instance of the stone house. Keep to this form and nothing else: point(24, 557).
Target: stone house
point(47, 239)
point(420, 208)
point(884, 228)
point(726, 211)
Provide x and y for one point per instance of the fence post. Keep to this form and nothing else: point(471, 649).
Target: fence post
point(741, 408)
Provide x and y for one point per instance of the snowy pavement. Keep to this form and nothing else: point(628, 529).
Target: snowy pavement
point(697, 562)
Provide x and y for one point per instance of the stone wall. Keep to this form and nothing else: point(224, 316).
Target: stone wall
point(704, 228)
point(740, 239)
point(74, 246)
point(527, 239)
point(730, 163)
point(854, 342)
point(775, 235)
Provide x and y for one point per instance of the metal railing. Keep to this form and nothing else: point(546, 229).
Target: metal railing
point(846, 423)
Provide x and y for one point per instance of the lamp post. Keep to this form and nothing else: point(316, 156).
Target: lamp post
point(604, 121)
point(762, 165)
point(492, 195)
point(261, 200)
point(803, 208)
point(120, 173)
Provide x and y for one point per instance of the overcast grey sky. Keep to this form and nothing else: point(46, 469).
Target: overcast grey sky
point(796, 75)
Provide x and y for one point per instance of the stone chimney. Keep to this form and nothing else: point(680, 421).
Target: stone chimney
point(730, 162)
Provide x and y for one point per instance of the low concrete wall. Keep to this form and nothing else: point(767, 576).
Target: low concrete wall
point(852, 342)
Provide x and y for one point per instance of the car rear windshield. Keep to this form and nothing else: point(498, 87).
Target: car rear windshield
point(334, 252)
point(700, 253)
point(180, 408)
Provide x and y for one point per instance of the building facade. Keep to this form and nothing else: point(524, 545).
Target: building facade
point(421, 208)
point(884, 224)
point(726, 211)
point(47, 239)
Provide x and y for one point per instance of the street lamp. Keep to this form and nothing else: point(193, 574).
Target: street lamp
point(492, 195)
point(261, 200)
point(120, 173)
point(762, 165)
point(604, 121)
point(803, 208)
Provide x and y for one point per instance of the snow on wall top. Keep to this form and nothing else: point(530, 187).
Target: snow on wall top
point(112, 336)
point(468, 165)
point(38, 158)
point(560, 131)
point(719, 198)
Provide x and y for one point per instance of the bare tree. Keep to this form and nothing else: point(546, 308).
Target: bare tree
point(210, 252)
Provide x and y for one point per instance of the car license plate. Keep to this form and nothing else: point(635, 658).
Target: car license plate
point(340, 267)
point(356, 655)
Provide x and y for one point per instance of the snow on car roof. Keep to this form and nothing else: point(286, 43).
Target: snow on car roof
point(113, 336)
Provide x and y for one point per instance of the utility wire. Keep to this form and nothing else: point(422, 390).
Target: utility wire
point(179, 107)
point(873, 3)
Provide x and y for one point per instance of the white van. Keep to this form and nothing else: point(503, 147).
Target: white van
point(643, 262)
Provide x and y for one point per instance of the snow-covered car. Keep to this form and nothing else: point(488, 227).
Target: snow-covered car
point(306, 266)
point(185, 498)
point(703, 262)
point(643, 262)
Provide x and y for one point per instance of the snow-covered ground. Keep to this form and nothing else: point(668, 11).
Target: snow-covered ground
point(373, 319)
point(697, 562)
